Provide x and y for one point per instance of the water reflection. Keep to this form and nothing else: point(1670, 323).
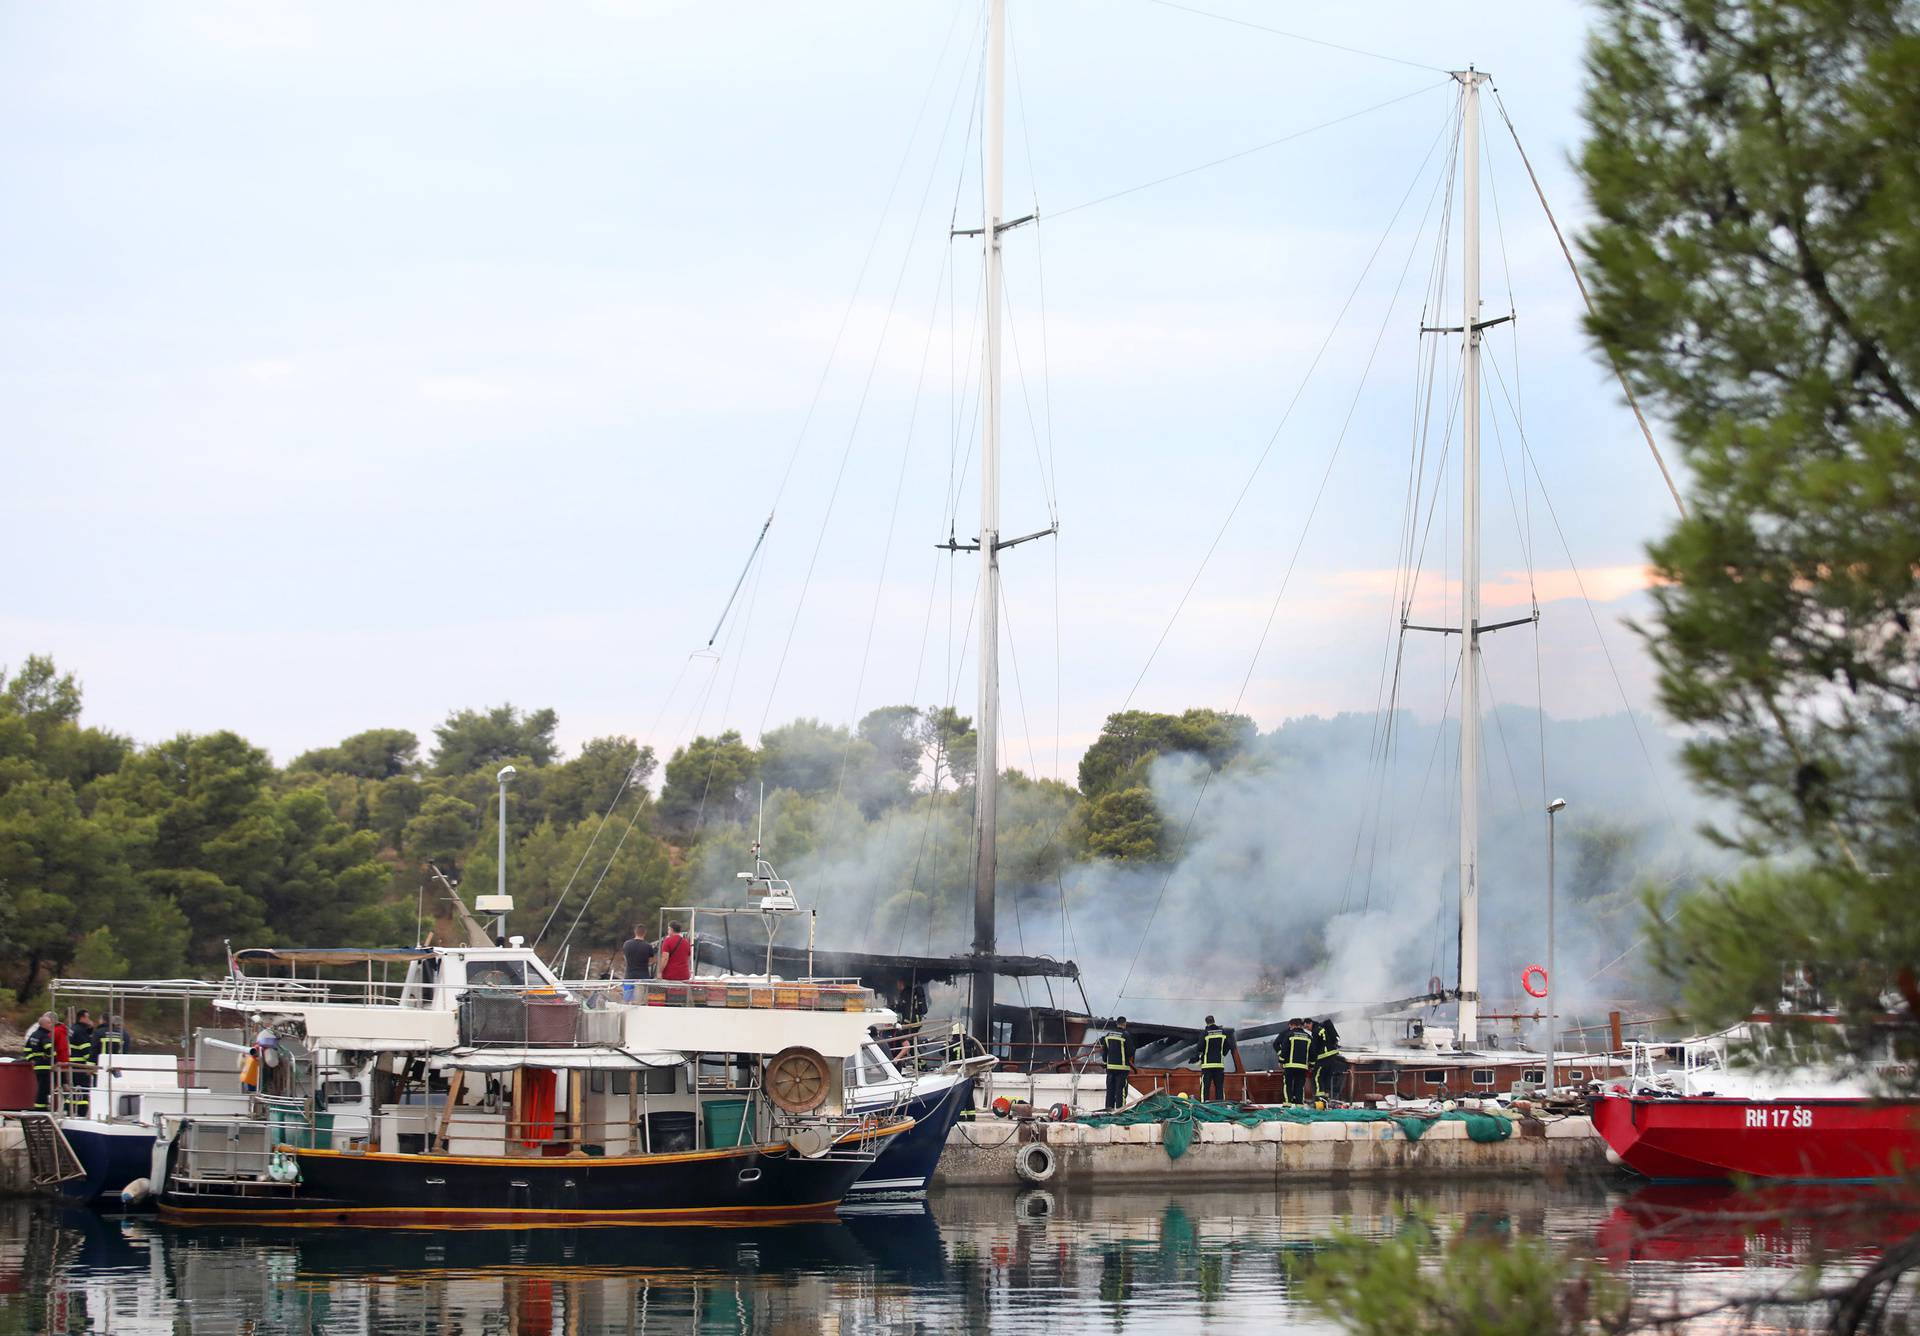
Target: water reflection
point(976, 1261)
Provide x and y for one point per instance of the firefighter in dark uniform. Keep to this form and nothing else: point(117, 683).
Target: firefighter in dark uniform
point(1213, 1061)
point(80, 1045)
point(1295, 1051)
point(109, 1039)
point(1117, 1048)
point(1329, 1067)
point(38, 1050)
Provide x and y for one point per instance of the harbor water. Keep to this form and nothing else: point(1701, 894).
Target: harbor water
point(971, 1260)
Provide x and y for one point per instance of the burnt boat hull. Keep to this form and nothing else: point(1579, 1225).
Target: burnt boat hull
point(1713, 1138)
point(748, 1185)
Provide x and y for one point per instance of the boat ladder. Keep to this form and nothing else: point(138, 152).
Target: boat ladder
point(50, 1158)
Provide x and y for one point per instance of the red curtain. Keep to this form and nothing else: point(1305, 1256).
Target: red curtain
point(534, 1093)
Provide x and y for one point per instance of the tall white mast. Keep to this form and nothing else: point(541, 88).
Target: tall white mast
point(1470, 558)
point(987, 768)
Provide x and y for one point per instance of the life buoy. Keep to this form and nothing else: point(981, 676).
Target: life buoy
point(1034, 1162)
point(1526, 981)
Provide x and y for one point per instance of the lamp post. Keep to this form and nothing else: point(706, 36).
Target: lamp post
point(1554, 808)
point(506, 773)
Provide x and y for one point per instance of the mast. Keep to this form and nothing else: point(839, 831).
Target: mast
point(1470, 80)
point(987, 767)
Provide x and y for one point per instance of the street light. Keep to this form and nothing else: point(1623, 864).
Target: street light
point(1554, 808)
point(506, 773)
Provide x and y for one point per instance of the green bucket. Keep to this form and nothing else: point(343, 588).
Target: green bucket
point(726, 1123)
point(288, 1128)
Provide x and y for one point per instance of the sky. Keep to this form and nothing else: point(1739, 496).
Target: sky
point(361, 362)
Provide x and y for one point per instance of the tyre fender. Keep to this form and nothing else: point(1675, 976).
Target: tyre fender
point(1035, 1162)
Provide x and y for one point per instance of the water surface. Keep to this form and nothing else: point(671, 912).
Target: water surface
point(1033, 1264)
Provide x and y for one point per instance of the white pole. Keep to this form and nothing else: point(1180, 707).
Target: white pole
point(506, 773)
point(987, 769)
point(1554, 809)
point(1470, 562)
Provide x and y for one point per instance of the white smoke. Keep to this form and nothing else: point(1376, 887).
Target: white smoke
point(1309, 873)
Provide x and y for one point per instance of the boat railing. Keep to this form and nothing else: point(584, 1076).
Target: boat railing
point(227, 1148)
point(731, 993)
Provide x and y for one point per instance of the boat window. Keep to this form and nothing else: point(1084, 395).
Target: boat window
point(1434, 1076)
point(1483, 1076)
point(496, 974)
point(597, 1081)
point(659, 1080)
point(623, 1083)
point(1576, 1074)
point(874, 1065)
point(1535, 1075)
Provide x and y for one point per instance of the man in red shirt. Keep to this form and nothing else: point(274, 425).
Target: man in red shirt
point(676, 954)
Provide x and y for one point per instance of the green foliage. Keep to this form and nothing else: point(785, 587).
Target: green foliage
point(708, 780)
point(1122, 820)
point(1753, 169)
point(1129, 741)
point(1752, 165)
point(1413, 1285)
point(482, 739)
point(443, 831)
point(950, 744)
point(378, 753)
point(1125, 825)
point(96, 958)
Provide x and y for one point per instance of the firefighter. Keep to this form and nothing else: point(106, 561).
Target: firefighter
point(1329, 1067)
point(1117, 1046)
point(1213, 1061)
point(38, 1050)
point(80, 1045)
point(1295, 1051)
point(957, 1044)
point(109, 1039)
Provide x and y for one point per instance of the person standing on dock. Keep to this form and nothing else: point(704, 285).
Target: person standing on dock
point(38, 1050)
point(1296, 1059)
point(1329, 1067)
point(676, 954)
point(80, 1044)
point(1213, 1061)
point(1118, 1048)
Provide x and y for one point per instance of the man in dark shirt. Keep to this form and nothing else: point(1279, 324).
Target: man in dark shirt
point(636, 957)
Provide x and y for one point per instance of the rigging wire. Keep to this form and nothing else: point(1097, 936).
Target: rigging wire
point(1046, 391)
point(625, 783)
point(1306, 527)
point(1619, 372)
point(1248, 152)
point(853, 430)
point(873, 245)
point(1581, 583)
point(1267, 450)
point(1301, 37)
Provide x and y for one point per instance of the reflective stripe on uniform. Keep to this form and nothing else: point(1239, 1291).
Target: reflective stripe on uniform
point(1116, 1048)
point(1213, 1049)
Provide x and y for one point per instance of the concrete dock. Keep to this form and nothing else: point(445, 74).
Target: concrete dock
point(1272, 1154)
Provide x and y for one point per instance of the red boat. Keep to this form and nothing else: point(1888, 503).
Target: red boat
point(1704, 1138)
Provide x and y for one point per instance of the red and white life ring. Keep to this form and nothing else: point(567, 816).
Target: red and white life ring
point(1526, 981)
